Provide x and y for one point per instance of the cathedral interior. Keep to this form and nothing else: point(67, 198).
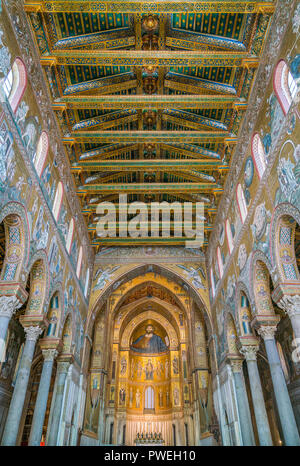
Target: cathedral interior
point(110, 338)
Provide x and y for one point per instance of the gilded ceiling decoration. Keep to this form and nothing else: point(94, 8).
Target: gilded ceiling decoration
point(149, 96)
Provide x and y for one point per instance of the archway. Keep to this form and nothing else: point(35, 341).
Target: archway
point(141, 390)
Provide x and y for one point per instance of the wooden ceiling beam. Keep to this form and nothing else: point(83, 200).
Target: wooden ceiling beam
point(144, 6)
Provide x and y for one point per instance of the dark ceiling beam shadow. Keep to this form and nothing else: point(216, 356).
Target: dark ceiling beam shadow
point(171, 78)
point(138, 188)
point(191, 40)
point(109, 150)
point(110, 37)
point(108, 120)
point(104, 85)
point(192, 120)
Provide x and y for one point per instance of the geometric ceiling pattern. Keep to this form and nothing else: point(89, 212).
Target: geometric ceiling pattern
point(149, 96)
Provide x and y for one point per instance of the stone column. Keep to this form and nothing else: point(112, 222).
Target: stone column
point(283, 402)
point(262, 423)
point(16, 405)
point(291, 305)
point(42, 397)
point(242, 402)
point(63, 365)
point(8, 306)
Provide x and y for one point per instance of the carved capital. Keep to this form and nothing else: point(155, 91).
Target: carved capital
point(236, 365)
point(63, 366)
point(290, 304)
point(9, 305)
point(49, 354)
point(267, 332)
point(249, 352)
point(32, 333)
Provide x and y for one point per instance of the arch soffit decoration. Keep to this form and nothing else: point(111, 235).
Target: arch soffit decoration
point(143, 269)
point(230, 322)
point(281, 211)
point(130, 327)
point(242, 288)
point(58, 288)
point(135, 287)
point(17, 209)
point(132, 310)
point(64, 322)
point(41, 255)
point(259, 256)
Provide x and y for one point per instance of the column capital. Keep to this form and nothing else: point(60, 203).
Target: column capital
point(49, 354)
point(267, 332)
point(249, 352)
point(9, 305)
point(236, 365)
point(33, 332)
point(290, 304)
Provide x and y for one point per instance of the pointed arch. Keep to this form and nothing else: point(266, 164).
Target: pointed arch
point(14, 84)
point(87, 280)
point(70, 235)
point(39, 159)
point(285, 219)
point(241, 202)
point(258, 155)
point(67, 335)
point(79, 262)
point(284, 85)
point(54, 315)
point(229, 236)
point(220, 262)
point(231, 335)
point(58, 200)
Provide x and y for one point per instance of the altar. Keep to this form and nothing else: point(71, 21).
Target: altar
point(149, 439)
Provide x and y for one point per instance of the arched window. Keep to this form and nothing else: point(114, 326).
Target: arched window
point(58, 200)
point(212, 281)
point(79, 262)
point(149, 398)
point(284, 85)
point(229, 236)
point(258, 155)
point(241, 202)
point(87, 278)
point(220, 262)
point(40, 156)
point(70, 236)
point(14, 84)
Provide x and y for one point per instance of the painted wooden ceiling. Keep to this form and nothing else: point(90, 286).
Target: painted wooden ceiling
point(149, 96)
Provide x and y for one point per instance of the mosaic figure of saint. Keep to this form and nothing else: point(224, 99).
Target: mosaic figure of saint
point(149, 342)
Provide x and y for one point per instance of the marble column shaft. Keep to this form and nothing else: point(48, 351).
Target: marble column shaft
point(11, 429)
point(284, 406)
point(8, 305)
point(291, 305)
point(57, 401)
point(42, 398)
point(243, 404)
point(262, 423)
